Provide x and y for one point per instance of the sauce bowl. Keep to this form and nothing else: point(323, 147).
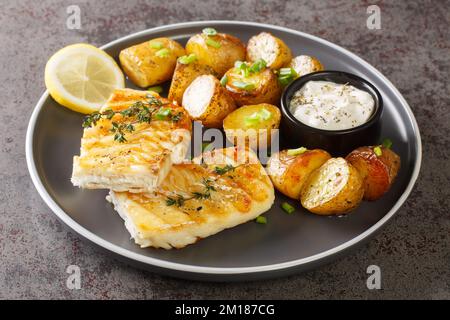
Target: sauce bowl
point(337, 142)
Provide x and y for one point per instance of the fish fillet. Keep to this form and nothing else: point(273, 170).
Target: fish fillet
point(140, 163)
point(239, 191)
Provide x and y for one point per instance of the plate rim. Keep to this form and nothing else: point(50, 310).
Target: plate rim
point(61, 214)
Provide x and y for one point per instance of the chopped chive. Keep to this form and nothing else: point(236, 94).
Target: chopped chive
point(238, 64)
point(156, 45)
point(257, 117)
point(387, 143)
point(377, 151)
point(162, 113)
point(261, 220)
point(163, 53)
point(296, 152)
point(209, 31)
point(258, 65)
point(187, 59)
point(213, 43)
point(224, 81)
point(243, 85)
point(157, 89)
point(286, 75)
point(287, 207)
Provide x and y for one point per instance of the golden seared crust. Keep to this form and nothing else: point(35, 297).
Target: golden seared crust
point(232, 200)
point(183, 76)
point(270, 48)
point(266, 88)
point(334, 188)
point(378, 172)
point(305, 64)
point(290, 172)
point(220, 59)
point(146, 66)
point(139, 163)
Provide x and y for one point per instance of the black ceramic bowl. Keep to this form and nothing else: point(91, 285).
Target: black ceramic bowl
point(338, 142)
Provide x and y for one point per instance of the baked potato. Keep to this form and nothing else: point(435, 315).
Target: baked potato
point(183, 76)
point(252, 125)
point(334, 188)
point(248, 87)
point(207, 101)
point(378, 166)
point(289, 169)
point(305, 64)
point(217, 50)
point(269, 48)
point(151, 62)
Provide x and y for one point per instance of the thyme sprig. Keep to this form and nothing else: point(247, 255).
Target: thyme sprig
point(223, 170)
point(179, 200)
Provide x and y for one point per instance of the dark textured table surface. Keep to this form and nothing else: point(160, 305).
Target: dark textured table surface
point(412, 49)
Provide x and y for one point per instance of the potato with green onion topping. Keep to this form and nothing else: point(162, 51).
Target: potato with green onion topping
point(217, 50)
point(269, 48)
point(252, 83)
point(305, 64)
point(252, 125)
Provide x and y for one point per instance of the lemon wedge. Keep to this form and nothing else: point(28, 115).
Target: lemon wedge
point(81, 77)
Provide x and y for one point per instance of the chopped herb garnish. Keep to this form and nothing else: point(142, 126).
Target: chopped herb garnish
point(187, 59)
point(387, 143)
point(223, 170)
point(243, 85)
point(156, 45)
point(287, 207)
point(212, 43)
point(296, 152)
point(257, 117)
point(209, 31)
point(377, 151)
point(286, 76)
point(258, 65)
point(224, 81)
point(179, 200)
point(157, 89)
point(163, 53)
point(162, 113)
point(261, 220)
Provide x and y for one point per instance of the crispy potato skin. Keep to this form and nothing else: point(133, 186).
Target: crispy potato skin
point(345, 201)
point(267, 89)
point(144, 67)
point(220, 105)
point(289, 173)
point(378, 172)
point(183, 76)
point(305, 64)
point(283, 53)
point(220, 59)
point(237, 131)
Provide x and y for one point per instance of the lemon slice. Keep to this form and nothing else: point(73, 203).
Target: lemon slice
point(81, 77)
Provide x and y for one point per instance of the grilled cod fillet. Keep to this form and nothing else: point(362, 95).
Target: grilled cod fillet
point(142, 161)
point(235, 196)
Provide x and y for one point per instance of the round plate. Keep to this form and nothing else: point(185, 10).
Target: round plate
point(287, 243)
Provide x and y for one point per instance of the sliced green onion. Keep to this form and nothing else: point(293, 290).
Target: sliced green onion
point(257, 117)
point(284, 81)
point(224, 81)
point(162, 113)
point(377, 151)
point(156, 45)
point(157, 89)
point(286, 75)
point(206, 146)
point(287, 207)
point(213, 43)
point(238, 64)
point(163, 53)
point(187, 59)
point(209, 31)
point(258, 65)
point(243, 85)
point(261, 220)
point(296, 152)
point(387, 143)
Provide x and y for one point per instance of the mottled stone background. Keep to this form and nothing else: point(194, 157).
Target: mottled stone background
point(412, 49)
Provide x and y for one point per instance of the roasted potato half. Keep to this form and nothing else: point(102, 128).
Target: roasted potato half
point(334, 188)
point(378, 167)
point(269, 48)
point(183, 76)
point(219, 51)
point(250, 88)
point(252, 125)
point(207, 101)
point(305, 64)
point(289, 169)
point(151, 62)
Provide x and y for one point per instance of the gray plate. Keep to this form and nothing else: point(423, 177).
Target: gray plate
point(287, 244)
